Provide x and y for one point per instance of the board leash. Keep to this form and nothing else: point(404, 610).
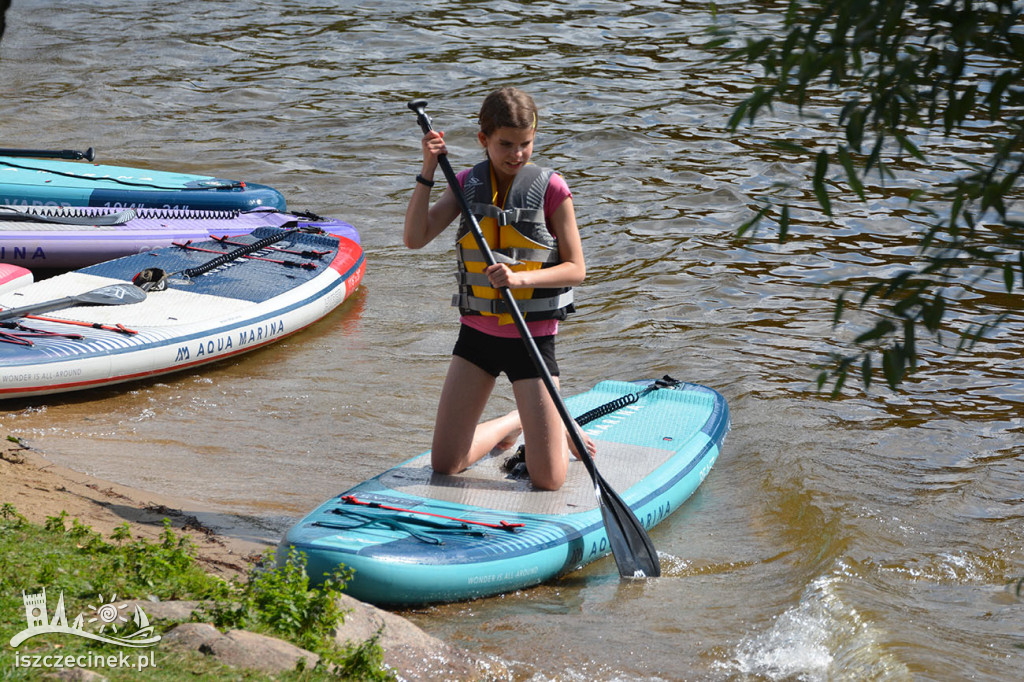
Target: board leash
point(237, 253)
point(155, 279)
point(287, 263)
point(305, 254)
point(106, 217)
point(617, 404)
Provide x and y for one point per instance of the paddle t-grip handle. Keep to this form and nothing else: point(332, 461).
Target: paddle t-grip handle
point(418, 107)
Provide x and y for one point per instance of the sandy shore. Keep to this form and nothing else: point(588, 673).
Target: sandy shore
point(38, 488)
point(225, 545)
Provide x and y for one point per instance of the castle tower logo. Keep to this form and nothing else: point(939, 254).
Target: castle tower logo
point(35, 608)
point(105, 614)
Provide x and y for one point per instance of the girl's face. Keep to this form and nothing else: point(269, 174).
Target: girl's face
point(508, 149)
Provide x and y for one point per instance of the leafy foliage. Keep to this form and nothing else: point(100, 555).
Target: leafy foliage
point(278, 600)
point(906, 71)
point(78, 562)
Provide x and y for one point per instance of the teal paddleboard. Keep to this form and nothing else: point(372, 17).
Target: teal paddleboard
point(415, 537)
point(49, 182)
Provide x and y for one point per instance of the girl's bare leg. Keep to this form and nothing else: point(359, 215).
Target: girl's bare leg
point(459, 440)
point(510, 426)
point(547, 455)
point(463, 398)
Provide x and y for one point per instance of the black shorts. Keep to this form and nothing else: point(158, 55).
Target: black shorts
point(494, 354)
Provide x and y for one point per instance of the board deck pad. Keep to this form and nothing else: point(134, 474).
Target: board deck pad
point(488, 486)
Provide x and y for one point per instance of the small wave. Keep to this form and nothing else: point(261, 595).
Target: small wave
point(951, 568)
point(676, 567)
point(821, 638)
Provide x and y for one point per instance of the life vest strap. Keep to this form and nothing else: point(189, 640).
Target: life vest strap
point(527, 305)
point(475, 279)
point(509, 216)
point(475, 255)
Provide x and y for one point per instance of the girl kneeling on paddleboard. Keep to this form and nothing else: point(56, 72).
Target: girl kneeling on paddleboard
point(526, 215)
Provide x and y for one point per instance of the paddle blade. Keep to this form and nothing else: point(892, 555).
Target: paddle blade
point(114, 294)
point(635, 555)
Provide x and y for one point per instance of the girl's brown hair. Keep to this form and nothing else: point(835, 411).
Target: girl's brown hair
point(507, 108)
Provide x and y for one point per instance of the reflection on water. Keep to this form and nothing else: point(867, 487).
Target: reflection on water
point(870, 537)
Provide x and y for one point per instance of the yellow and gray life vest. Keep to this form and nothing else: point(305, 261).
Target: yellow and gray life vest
point(517, 236)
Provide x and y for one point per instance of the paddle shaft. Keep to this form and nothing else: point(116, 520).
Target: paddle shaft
point(113, 294)
point(610, 500)
point(44, 307)
point(87, 155)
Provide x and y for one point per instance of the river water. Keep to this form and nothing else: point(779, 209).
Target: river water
point(869, 537)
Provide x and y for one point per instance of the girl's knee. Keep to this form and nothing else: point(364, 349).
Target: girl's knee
point(444, 463)
point(549, 483)
point(549, 473)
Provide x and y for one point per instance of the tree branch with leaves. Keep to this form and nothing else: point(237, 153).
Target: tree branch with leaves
point(904, 73)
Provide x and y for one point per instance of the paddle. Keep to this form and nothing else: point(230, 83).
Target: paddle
point(112, 294)
point(88, 154)
point(632, 548)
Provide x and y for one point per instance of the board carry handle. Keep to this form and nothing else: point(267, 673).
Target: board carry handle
point(634, 553)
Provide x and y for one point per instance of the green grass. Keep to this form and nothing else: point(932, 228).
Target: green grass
point(90, 570)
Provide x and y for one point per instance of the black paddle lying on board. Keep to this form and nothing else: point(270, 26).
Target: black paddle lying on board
point(87, 155)
point(631, 546)
point(112, 294)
